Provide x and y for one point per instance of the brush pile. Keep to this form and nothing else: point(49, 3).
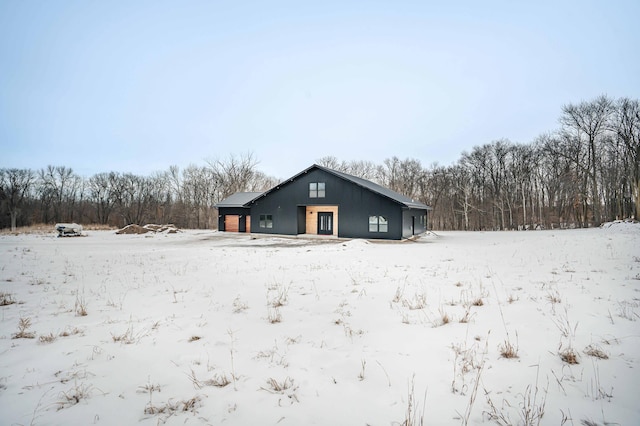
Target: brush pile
point(137, 229)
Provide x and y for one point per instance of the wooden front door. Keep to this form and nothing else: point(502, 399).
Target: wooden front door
point(325, 223)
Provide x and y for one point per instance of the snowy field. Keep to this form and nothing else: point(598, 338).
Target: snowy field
point(208, 328)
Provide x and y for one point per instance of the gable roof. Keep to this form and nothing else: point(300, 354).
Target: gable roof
point(239, 199)
point(373, 187)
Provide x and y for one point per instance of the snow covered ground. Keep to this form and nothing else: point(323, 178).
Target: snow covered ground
point(207, 328)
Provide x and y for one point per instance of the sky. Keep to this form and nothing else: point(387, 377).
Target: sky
point(139, 86)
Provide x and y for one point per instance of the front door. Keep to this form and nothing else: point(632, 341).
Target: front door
point(325, 223)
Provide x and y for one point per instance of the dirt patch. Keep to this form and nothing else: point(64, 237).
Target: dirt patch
point(137, 229)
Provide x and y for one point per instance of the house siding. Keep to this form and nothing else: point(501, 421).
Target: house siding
point(355, 204)
point(411, 224)
point(241, 212)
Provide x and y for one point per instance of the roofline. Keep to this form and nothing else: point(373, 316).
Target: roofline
point(284, 182)
point(258, 194)
point(341, 175)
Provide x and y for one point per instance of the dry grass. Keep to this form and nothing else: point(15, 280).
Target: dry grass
point(508, 349)
point(478, 302)
point(273, 315)
point(6, 299)
point(399, 295)
point(595, 351)
point(569, 356)
point(44, 228)
point(47, 338)
point(74, 395)
point(194, 338)
point(70, 331)
point(419, 301)
point(40, 228)
point(277, 295)
point(80, 307)
point(149, 388)
point(127, 337)
point(554, 297)
point(23, 329)
point(564, 325)
point(412, 417)
point(219, 380)
point(531, 408)
point(443, 318)
point(467, 316)
point(363, 364)
point(239, 305)
point(276, 386)
point(174, 406)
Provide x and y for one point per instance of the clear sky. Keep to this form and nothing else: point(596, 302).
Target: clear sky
point(137, 86)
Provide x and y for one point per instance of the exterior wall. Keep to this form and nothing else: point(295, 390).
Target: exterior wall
point(240, 212)
point(411, 222)
point(354, 203)
point(311, 218)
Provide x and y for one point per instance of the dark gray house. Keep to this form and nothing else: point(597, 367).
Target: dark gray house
point(321, 201)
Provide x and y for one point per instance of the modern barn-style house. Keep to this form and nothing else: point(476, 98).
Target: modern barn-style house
point(321, 201)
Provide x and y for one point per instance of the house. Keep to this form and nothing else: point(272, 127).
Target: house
point(321, 201)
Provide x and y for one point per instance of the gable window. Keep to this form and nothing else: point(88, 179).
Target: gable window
point(266, 221)
point(378, 224)
point(316, 190)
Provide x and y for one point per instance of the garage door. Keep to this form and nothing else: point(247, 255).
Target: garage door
point(231, 223)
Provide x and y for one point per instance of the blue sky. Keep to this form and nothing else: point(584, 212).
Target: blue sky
point(138, 86)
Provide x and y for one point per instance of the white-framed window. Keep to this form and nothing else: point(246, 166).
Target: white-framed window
point(316, 190)
point(378, 224)
point(266, 221)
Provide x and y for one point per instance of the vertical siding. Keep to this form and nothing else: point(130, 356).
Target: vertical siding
point(287, 202)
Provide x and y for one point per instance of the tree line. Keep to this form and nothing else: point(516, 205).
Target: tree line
point(583, 173)
point(184, 197)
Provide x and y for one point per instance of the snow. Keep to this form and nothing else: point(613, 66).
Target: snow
point(360, 330)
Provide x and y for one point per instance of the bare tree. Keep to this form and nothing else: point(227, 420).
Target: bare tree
point(101, 195)
point(234, 174)
point(59, 190)
point(358, 168)
point(132, 196)
point(590, 120)
point(628, 133)
point(15, 186)
point(330, 162)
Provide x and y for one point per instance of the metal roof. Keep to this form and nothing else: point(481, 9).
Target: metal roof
point(239, 199)
point(373, 187)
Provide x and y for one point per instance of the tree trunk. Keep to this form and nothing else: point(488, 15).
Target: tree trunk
point(14, 216)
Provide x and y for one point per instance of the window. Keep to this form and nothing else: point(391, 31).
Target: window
point(378, 224)
point(316, 190)
point(266, 221)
